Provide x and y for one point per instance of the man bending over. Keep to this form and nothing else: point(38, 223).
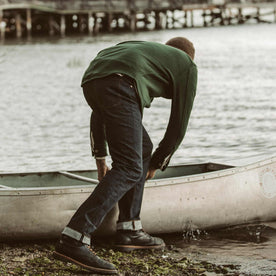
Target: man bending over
point(117, 85)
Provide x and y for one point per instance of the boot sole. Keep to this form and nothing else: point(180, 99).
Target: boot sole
point(129, 248)
point(65, 258)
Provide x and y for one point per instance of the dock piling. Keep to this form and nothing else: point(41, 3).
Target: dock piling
point(2, 26)
point(158, 24)
point(18, 25)
point(160, 20)
point(62, 25)
point(133, 22)
point(107, 21)
point(29, 22)
point(185, 25)
point(96, 26)
point(81, 23)
point(192, 18)
point(90, 23)
point(258, 15)
point(204, 18)
point(53, 26)
point(240, 16)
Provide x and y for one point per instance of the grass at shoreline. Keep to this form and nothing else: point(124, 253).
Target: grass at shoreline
point(35, 258)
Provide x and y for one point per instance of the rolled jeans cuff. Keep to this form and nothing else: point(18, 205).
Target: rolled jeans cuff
point(132, 225)
point(84, 238)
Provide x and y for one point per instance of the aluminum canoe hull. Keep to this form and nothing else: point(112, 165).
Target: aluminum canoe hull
point(216, 198)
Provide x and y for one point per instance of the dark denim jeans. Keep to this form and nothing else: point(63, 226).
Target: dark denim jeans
point(115, 99)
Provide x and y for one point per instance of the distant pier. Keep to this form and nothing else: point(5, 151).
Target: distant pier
point(29, 18)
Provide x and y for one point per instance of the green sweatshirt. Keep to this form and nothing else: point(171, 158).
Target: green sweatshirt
point(159, 71)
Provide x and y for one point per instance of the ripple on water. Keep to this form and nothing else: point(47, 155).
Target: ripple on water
point(250, 248)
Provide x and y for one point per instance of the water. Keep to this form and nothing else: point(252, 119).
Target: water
point(44, 117)
point(249, 249)
point(45, 120)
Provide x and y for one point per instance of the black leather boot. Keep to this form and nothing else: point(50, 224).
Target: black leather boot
point(128, 240)
point(70, 250)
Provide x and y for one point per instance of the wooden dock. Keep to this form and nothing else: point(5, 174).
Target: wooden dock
point(66, 17)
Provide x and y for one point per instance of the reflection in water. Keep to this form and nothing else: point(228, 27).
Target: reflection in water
point(250, 248)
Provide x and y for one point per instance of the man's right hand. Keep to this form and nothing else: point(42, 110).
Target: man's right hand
point(150, 174)
point(102, 168)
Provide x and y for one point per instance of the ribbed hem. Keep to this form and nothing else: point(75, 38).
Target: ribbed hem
point(132, 225)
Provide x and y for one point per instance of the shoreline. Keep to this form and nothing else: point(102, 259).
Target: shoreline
point(35, 258)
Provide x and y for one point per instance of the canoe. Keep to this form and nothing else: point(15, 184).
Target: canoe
point(184, 197)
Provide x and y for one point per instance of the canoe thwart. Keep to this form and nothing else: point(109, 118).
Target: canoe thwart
point(5, 187)
point(78, 177)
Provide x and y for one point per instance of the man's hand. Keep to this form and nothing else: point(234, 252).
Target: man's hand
point(150, 174)
point(102, 168)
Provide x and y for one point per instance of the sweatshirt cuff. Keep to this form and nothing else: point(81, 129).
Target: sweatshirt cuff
point(100, 157)
point(157, 162)
point(99, 152)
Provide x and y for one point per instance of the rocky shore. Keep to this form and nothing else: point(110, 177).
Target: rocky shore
point(35, 258)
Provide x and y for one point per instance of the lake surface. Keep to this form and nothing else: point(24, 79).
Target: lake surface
point(246, 250)
point(45, 119)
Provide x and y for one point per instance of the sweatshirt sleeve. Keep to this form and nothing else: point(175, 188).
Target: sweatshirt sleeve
point(183, 94)
point(97, 136)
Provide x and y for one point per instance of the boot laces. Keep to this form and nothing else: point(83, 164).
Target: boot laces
point(91, 249)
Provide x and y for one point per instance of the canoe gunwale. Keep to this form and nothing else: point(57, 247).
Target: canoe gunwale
point(87, 188)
